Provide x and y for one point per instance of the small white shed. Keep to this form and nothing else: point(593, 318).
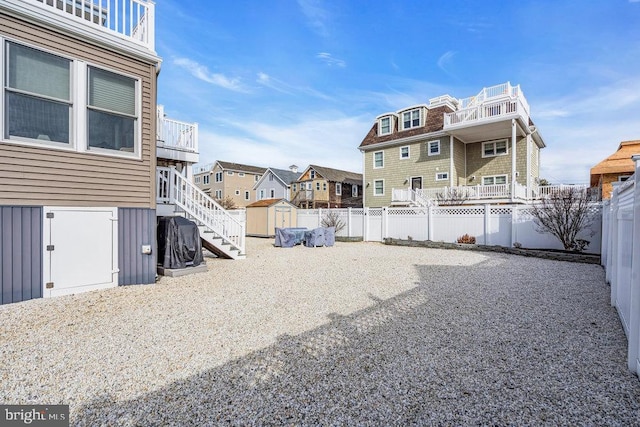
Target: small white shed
point(265, 215)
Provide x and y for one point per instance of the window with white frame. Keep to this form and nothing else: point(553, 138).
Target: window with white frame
point(378, 187)
point(494, 148)
point(378, 159)
point(384, 125)
point(270, 177)
point(494, 180)
point(230, 173)
point(219, 194)
point(240, 173)
point(411, 119)
point(272, 193)
point(324, 186)
point(247, 195)
point(338, 189)
point(404, 153)
point(197, 179)
point(442, 176)
point(261, 195)
point(256, 178)
point(309, 185)
point(318, 186)
point(111, 111)
point(205, 179)
point(37, 97)
point(312, 174)
point(623, 178)
point(433, 148)
point(354, 190)
point(218, 176)
point(294, 187)
point(237, 192)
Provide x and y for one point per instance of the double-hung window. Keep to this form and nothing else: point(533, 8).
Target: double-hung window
point(404, 152)
point(218, 176)
point(378, 159)
point(354, 190)
point(494, 148)
point(385, 125)
point(411, 119)
point(433, 148)
point(205, 179)
point(378, 187)
point(111, 111)
point(338, 189)
point(37, 96)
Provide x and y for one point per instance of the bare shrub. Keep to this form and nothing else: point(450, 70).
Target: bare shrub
point(332, 219)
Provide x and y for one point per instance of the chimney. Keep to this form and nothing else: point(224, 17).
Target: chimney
point(293, 168)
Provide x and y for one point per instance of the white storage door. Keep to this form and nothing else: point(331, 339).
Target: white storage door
point(80, 250)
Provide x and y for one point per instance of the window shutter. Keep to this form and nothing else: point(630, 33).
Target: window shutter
point(38, 72)
point(112, 92)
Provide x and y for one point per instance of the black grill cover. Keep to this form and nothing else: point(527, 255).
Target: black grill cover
point(179, 243)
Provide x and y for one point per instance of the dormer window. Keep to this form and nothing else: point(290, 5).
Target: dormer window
point(412, 119)
point(385, 125)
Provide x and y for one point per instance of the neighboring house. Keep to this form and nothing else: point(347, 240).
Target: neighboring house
point(617, 167)
point(225, 179)
point(276, 183)
point(322, 187)
point(482, 147)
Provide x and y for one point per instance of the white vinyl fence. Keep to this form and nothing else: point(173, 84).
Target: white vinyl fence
point(501, 225)
point(621, 258)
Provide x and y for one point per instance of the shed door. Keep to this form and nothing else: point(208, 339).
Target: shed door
point(282, 216)
point(80, 250)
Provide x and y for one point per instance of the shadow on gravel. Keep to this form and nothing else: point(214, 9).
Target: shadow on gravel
point(456, 349)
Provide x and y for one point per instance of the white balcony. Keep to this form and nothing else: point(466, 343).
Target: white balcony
point(125, 23)
point(479, 193)
point(176, 140)
point(488, 114)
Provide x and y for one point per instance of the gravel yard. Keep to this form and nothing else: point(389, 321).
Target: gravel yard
point(355, 334)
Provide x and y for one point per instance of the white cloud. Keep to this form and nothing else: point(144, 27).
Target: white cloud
point(446, 59)
point(202, 72)
point(328, 59)
point(317, 16)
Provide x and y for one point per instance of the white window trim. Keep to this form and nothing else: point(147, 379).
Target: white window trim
point(420, 111)
point(197, 179)
point(237, 192)
point(444, 176)
point(79, 84)
point(354, 190)
point(247, 195)
point(495, 154)
point(408, 147)
point(240, 173)
point(506, 179)
point(230, 173)
point(374, 187)
point(272, 193)
point(429, 153)
point(312, 174)
point(380, 132)
point(338, 189)
point(206, 180)
point(374, 160)
point(219, 175)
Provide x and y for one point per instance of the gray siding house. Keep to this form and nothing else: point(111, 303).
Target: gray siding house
point(276, 183)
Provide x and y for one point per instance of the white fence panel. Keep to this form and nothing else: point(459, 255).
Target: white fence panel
point(373, 224)
point(408, 222)
point(355, 225)
point(499, 226)
point(449, 223)
point(308, 218)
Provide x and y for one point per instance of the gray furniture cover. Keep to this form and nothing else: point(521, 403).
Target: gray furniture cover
point(179, 244)
point(329, 236)
point(289, 237)
point(314, 237)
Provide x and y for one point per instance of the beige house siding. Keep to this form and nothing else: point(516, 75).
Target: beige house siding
point(535, 166)
point(459, 163)
point(230, 184)
point(521, 161)
point(31, 175)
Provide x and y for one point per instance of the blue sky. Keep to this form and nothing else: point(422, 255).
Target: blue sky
point(281, 82)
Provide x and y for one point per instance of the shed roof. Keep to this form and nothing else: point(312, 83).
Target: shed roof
point(267, 202)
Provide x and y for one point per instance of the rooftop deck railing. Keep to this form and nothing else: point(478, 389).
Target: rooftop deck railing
point(174, 134)
point(130, 19)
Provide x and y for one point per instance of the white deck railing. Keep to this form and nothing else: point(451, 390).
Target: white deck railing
point(174, 134)
point(175, 188)
point(478, 192)
point(132, 19)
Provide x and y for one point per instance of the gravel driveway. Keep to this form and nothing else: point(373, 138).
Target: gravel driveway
point(360, 333)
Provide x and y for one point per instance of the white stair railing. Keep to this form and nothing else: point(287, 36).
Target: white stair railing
point(177, 189)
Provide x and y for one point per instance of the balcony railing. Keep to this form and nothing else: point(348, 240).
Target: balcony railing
point(491, 103)
point(132, 19)
point(483, 192)
point(177, 135)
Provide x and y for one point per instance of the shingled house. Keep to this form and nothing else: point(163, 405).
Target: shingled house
point(615, 168)
point(322, 187)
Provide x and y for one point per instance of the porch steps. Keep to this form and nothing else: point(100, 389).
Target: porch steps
point(217, 246)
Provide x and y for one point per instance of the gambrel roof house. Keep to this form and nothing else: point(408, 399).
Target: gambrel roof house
point(615, 168)
point(481, 147)
point(320, 186)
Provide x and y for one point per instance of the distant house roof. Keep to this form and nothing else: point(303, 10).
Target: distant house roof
point(337, 175)
point(240, 167)
point(620, 161)
point(285, 175)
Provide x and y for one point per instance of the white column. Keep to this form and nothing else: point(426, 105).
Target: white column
point(430, 224)
point(634, 319)
point(487, 223)
point(614, 243)
point(385, 223)
point(529, 140)
point(451, 183)
point(513, 159)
